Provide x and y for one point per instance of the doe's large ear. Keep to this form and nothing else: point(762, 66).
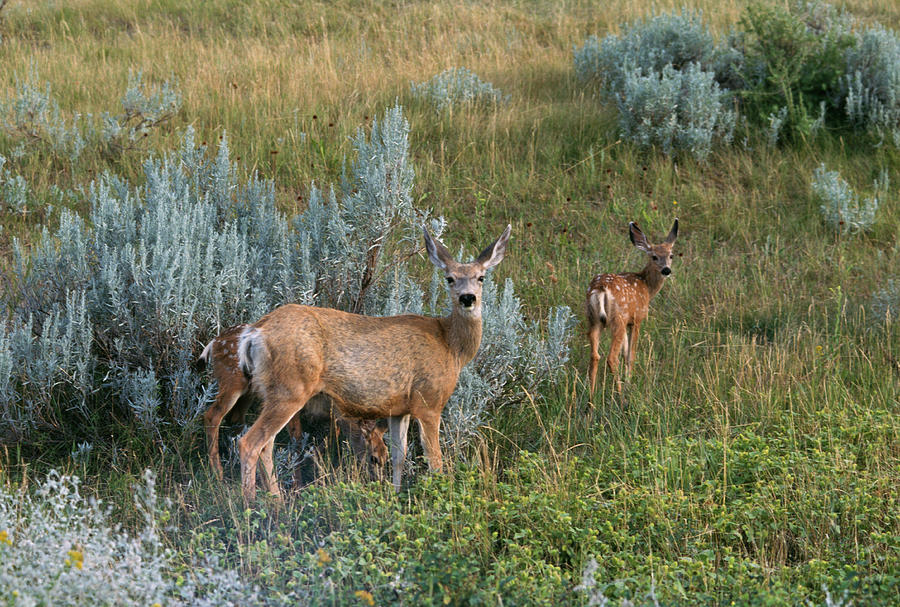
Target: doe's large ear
point(673, 233)
point(637, 237)
point(494, 253)
point(437, 253)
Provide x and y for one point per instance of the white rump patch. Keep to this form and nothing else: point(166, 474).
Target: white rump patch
point(249, 348)
point(598, 304)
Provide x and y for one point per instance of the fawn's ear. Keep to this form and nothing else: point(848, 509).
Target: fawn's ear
point(493, 255)
point(673, 233)
point(437, 253)
point(637, 237)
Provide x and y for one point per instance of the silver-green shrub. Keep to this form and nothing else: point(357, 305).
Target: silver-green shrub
point(157, 266)
point(776, 123)
point(32, 114)
point(790, 70)
point(675, 110)
point(109, 312)
point(676, 39)
point(59, 548)
point(39, 371)
point(33, 117)
point(885, 304)
point(659, 72)
point(871, 86)
point(841, 207)
point(144, 108)
point(13, 190)
point(353, 243)
point(457, 86)
point(512, 361)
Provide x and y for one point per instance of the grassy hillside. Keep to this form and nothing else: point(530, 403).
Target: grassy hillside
point(755, 455)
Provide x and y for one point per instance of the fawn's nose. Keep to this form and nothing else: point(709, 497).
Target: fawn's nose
point(666, 271)
point(467, 300)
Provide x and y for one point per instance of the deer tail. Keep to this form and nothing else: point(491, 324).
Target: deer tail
point(596, 307)
point(203, 359)
point(251, 351)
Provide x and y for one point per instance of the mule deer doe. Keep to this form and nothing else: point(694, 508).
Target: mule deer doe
point(621, 302)
point(371, 367)
point(234, 395)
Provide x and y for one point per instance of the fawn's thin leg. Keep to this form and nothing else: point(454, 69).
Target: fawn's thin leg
point(429, 428)
point(632, 343)
point(594, 337)
point(295, 429)
point(355, 436)
point(612, 361)
point(212, 419)
point(239, 410)
point(399, 425)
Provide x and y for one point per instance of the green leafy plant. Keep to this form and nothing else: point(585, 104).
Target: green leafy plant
point(791, 59)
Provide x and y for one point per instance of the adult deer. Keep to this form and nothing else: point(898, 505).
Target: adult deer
point(234, 395)
point(621, 302)
point(371, 367)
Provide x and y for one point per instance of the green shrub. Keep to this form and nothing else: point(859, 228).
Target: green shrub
point(791, 59)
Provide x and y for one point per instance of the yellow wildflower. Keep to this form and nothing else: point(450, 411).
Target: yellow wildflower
point(323, 557)
point(4, 538)
point(76, 559)
point(675, 203)
point(365, 596)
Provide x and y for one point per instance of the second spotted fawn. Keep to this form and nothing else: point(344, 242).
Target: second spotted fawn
point(621, 302)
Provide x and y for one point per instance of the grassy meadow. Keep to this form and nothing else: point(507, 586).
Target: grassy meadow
point(754, 458)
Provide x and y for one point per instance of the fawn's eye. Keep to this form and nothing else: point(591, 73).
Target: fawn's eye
point(481, 279)
point(450, 280)
point(655, 258)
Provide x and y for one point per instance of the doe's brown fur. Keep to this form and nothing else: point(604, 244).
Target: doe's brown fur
point(371, 367)
point(235, 395)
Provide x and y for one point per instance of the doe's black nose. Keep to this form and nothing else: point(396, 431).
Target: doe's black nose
point(467, 299)
point(666, 271)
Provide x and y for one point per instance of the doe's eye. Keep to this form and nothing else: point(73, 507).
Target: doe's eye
point(481, 279)
point(450, 280)
point(655, 258)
